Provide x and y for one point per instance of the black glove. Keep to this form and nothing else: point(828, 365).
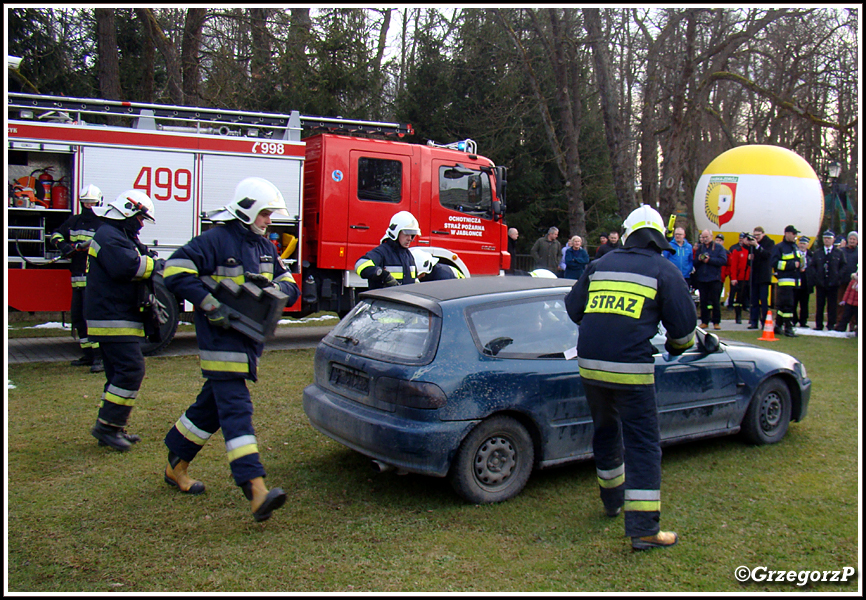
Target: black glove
point(159, 265)
point(673, 351)
point(388, 280)
point(258, 279)
point(220, 316)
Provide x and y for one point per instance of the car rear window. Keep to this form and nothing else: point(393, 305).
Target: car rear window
point(388, 330)
point(536, 328)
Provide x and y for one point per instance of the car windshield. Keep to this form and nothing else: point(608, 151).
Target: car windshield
point(387, 330)
point(535, 328)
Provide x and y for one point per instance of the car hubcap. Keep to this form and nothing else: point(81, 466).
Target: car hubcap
point(495, 461)
point(771, 413)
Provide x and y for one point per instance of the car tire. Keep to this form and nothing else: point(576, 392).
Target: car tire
point(494, 461)
point(769, 413)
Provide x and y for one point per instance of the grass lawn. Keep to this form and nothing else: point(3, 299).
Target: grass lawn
point(87, 519)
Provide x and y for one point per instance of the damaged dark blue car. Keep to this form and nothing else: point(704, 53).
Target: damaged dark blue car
point(474, 379)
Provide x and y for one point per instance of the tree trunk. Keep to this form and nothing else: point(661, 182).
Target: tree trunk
point(106, 47)
point(376, 109)
point(189, 54)
point(617, 144)
point(169, 54)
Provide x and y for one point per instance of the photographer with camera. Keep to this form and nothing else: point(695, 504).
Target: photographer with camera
point(760, 249)
point(710, 257)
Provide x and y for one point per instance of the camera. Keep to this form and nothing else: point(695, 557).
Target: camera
point(749, 237)
point(704, 256)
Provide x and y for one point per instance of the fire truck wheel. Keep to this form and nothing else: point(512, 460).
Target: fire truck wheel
point(166, 331)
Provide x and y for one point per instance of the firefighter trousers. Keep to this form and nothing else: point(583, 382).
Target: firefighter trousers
point(124, 372)
point(627, 447)
point(79, 323)
point(785, 305)
point(222, 404)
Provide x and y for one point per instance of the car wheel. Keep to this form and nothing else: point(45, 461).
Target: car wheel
point(494, 461)
point(769, 413)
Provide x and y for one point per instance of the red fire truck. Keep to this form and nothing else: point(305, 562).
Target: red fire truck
point(340, 189)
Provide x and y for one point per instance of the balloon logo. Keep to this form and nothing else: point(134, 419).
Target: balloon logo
point(719, 202)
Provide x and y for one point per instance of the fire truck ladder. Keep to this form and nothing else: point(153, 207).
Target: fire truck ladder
point(205, 120)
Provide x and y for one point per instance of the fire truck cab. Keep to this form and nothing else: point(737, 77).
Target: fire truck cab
point(340, 189)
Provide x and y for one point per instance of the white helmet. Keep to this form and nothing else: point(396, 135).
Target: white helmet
point(424, 261)
point(543, 274)
point(645, 217)
point(127, 204)
point(252, 196)
point(404, 222)
point(90, 195)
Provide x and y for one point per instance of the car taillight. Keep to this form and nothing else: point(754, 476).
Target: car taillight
point(415, 394)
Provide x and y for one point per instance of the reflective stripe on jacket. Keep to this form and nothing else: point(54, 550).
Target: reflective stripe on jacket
point(618, 305)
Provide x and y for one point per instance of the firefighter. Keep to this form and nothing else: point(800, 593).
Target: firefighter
point(429, 268)
point(118, 266)
point(618, 304)
point(391, 263)
point(786, 265)
point(72, 238)
point(236, 249)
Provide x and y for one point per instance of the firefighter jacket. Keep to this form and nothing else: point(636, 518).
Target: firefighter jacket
point(118, 265)
point(786, 264)
point(827, 269)
point(225, 252)
point(738, 263)
point(77, 229)
point(618, 304)
point(762, 271)
point(387, 257)
point(712, 269)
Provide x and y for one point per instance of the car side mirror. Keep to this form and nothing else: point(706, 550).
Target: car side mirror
point(711, 343)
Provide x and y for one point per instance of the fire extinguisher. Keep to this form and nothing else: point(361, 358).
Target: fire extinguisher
point(60, 195)
point(46, 181)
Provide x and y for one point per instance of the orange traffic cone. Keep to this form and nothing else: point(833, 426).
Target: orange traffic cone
point(768, 335)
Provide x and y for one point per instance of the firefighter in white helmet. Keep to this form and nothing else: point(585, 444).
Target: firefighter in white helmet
point(391, 263)
point(618, 304)
point(429, 268)
point(238, 249)
point(119, 268)
point(72, 238)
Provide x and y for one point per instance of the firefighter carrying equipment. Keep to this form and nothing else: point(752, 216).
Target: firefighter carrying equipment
point(263, 501)
point(176, 476)
point(402, 222)
point(128, 204)
point(248, 308)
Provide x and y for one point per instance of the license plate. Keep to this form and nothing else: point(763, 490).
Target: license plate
point(352, 380)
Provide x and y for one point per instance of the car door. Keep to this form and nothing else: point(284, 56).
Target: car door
point(696, 391)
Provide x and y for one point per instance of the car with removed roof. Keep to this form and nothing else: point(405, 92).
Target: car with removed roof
point(476, 380)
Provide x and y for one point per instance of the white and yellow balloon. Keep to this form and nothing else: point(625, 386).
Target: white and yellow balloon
point(761, 185)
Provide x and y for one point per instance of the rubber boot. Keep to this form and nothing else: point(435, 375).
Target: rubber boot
point(86, 359)
point(175, 475)
point(130, 437)
point(111, 436)
point(663, 539)
point(789, 329)
point(262, 501)
point(97, 366)
point(738, 314)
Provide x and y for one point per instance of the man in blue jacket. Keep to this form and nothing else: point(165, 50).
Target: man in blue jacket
point(710, 257)
point(236, 250)
point(680, 254)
